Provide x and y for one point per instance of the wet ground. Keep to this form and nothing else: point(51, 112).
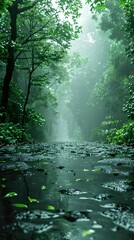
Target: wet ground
point(74, 191)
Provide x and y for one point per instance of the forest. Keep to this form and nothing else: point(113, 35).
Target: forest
point(57, 75)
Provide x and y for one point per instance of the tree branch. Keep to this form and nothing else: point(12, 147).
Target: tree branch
point(24, 9)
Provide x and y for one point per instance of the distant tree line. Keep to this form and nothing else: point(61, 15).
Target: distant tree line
point(105, 108)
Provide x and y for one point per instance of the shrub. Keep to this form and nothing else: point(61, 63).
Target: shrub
point(12, 133)
point(123, 135)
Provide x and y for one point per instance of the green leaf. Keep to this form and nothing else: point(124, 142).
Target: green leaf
point(69, 184)
point(87, 232)
point(96, 170)
point(86, 170)
point(3, 185)
point(78, 179)
point(31, 200)
point(20, 205)
point(10, 194)
point(43, 187)
point(52, 208)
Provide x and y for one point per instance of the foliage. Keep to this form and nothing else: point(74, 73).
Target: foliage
point(128, 107)
point(34, 117)
point(111, 89)
point(4, 4)
point(118, 19)
point(123, 135)
point(97, 5)
point(35, 37)
point(114, 92)
point(107, 128)
point(15, 105)
point(12, 133)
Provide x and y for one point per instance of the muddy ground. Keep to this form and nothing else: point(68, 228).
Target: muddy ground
point(74, 191)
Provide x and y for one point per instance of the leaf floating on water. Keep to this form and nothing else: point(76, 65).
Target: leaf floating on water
point(89, 180)
point(31, 200)
point(78, 179)
point(10, 194)
point(69, 184)
point(43, 187)
point(87, 232)
point(96, 170)
point(86, 170)
point(20, 205)
point(52, 208)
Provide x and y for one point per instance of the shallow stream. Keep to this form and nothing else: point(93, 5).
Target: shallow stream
point(68, 190)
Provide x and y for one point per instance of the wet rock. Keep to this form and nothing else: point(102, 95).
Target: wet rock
point(73, 151)
point(61, 167)
point(71, 191)
point(28, 227)
point(109, 170)
point(121, 218)
point(109, 205)
point(14, 166)
point(37, 214)
point(101, 197)
point(77, 216)
point(118, 161)
point(121, 186)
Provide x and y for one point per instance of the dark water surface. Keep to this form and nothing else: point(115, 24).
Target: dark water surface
point(74, 191)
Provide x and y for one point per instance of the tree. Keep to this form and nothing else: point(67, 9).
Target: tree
point(115, 88)
point(14, 10)
point(62, 33)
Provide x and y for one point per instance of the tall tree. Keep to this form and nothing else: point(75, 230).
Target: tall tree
point(14, 10)
point(63, 32)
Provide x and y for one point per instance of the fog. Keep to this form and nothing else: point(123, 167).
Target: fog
point(76, 116)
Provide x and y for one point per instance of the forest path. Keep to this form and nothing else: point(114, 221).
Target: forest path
point(68, 191)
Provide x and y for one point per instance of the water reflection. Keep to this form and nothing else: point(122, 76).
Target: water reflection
point(61, 189)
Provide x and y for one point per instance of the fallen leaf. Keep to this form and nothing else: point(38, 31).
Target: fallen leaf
point(96, 170)
point(31, 200)
point(10, 194)
point(87, 232)
point(78, 179)
point(20, 205)
point(52, 208)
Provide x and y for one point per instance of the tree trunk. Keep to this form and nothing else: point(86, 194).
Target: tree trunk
point(26, 100)
point(13, 10)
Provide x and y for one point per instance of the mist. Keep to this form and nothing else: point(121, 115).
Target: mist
point(76, 116)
